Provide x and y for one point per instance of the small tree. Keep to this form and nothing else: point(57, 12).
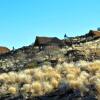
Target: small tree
point(65, 36)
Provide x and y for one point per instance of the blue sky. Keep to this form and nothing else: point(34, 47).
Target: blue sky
point(22, 20)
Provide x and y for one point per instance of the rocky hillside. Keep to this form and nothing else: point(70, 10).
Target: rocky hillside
point(17, 59)
point(24, 69)
point(28, 56)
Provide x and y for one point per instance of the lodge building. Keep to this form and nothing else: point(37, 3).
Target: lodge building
point(48, 43)
point(3, 50)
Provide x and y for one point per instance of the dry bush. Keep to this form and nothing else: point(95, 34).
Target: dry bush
point(5, 77)
point(13, 76)
point(12, 90)
point(47, 87)
point(38, 74)
point(54, 83)
point(26, 88)
point(36, 88)
point(24, 78)
point(39, 81)
point(70, 77)
point(75, 84)
point(29, 71)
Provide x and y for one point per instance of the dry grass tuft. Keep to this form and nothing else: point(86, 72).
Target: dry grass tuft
point(39, 81)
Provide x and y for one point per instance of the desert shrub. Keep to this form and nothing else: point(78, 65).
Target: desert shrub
point(54, 82)
point(12, 90)
point(26, 88)
point(42, 80)
point(47, 87)
point(36, 88)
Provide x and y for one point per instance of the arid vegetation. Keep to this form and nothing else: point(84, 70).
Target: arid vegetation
point(45, 79)
point(69, 72)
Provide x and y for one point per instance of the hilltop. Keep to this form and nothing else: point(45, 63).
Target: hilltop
point(84, 47)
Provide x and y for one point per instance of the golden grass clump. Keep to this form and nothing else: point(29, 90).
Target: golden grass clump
point(47, 87)
point(97, 74)
point(54, 83)
point(70, 69)
point(36, 87)
point(45, 79)
point(92, 79)
point(38, 75)
point(93, 68)
point(28, 79)
point(78, 81)
point(84, 73)
point(12, 90)
point(57, 76)
point(22, 77)
point(84, 78)
point(74, 84)
point(29, 71)
point(2, 77)
point(67, 65)
point(74, 70)
point(77, 84)
point(5, 77)
point(13, 76)
point(59, 68)
point(46, 68)
point(52, 74)
point(71, 77)
point(26, 88)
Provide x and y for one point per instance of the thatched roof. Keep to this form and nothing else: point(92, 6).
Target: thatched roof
point(3, 50)
point(47, 41)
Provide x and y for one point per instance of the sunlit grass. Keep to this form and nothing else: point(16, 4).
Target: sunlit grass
point(45, 79)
